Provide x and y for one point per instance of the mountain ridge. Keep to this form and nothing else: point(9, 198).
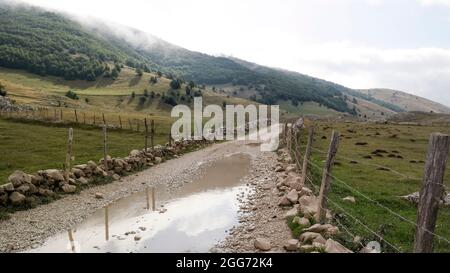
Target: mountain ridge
point(44, 42)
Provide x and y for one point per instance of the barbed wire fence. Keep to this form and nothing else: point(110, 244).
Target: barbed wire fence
point(433, 179)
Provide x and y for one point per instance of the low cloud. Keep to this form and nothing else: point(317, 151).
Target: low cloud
point(422, 71)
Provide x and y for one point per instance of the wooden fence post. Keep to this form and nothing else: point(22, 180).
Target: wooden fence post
point(120, 122)
point(326, 178)
point(84, 118)
point(146, 134)
point(60, 114)
point(131, 126)
point(94, 119)
point(55, 114)
point(297, 150)
point(104, 120)
point(105, 147)
point(69, 150)
point(152, 134)
point(431, 192)
point(76, 116)
point(307, 155)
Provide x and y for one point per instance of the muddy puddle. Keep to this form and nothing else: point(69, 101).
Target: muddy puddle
point(191, 219)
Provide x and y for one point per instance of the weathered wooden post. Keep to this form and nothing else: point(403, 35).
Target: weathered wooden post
point(69, 150)
point(105, 147)
point(307, 155)
point(288, 142)
point(60, 114)
point(71, 240)
point(297, 149)
point(131, 126)
point(326, 178)
point(146, 134)
point(152, 134)
point(76, 116)
point(431, 192)
point(120, 122)
point(84, 118)
point(104, 120)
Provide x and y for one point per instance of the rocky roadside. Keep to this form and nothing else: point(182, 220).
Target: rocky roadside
point(278, 197)
point(260, 216)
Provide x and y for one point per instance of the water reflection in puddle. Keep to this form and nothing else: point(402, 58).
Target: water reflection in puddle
point(197, 216)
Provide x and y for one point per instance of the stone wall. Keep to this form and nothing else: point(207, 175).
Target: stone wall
point(24, 188)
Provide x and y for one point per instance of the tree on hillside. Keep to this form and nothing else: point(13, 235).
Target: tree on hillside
point(72, 95)
point(355, 101)
point(188, 90)
point(153, 80)
point(3, 92)
point(139, 72)
point(114, 73)
point(175, 84)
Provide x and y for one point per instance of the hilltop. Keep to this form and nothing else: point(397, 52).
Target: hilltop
point(406, 101)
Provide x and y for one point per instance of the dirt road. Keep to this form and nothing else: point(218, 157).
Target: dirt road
point(30, 229)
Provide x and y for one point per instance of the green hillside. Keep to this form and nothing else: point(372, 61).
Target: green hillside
point(46, 43)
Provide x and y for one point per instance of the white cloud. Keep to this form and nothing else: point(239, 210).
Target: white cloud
point(422, 71)
point(434, 2)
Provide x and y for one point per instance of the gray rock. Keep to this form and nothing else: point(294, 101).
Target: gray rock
point(284, 202)
point(135, 153)
point(17, 198)
point(18, 178)
point(303, 222)
point(262, 244)
point(78, 173)
point(158, 160)
point(46, 192)
point(8, 187)
point(83, 181)
point(332, 246)
point(292, 245)
point(69, 188)
point(292, 196)
point(23, 189)
point(54, 174)
point(99, 195)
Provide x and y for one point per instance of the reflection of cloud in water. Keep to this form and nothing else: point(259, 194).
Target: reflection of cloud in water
point(204, 212)
point(191, 224)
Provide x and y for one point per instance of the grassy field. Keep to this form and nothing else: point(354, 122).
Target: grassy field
point(409, 145)
point(31, 147)
point(307, 108)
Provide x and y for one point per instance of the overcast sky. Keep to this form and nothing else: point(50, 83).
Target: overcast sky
point(398, 44)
